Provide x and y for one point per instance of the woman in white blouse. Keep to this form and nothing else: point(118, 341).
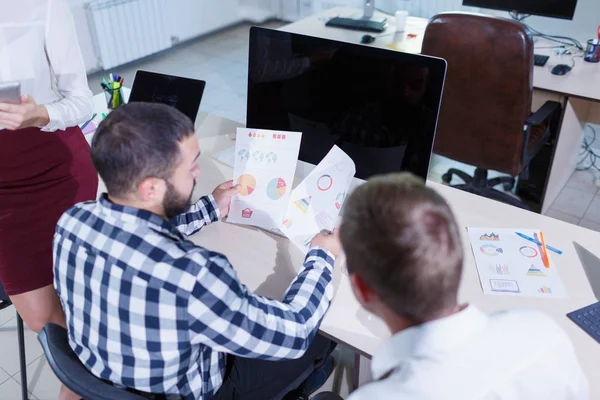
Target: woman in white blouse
point(45, 165)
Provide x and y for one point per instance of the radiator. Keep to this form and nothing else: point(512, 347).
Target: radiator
point(126, 30)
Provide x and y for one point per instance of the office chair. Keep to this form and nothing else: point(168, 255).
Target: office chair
point(485, 118)
point(4, 303)
point(327, 396)
point(72, 373)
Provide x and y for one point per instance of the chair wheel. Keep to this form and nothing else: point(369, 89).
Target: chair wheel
point(446, 178)
point(508, 186)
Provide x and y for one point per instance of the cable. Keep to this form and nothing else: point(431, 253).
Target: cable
point(589, 153)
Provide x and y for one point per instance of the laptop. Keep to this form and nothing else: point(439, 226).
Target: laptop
point(182, 93)
point(588, 318)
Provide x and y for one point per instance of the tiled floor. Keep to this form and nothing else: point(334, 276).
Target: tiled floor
point(221, 60)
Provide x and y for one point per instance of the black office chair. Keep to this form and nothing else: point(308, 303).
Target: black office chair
point(72, 373)
point(327, 396)
point(4, 303)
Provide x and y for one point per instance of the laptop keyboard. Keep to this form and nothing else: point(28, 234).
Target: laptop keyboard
point(588, 319)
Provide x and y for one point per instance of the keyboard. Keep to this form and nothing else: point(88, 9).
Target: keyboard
point(540, 60)
point(588, 319)
point(357, 24)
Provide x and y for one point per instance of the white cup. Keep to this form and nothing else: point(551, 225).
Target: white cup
point(401, 20)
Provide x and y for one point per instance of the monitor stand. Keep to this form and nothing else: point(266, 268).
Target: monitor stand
point(367, 22)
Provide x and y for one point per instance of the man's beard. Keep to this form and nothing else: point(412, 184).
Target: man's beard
point(175, 203)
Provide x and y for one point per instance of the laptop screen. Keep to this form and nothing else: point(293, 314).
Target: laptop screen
point(184, 94)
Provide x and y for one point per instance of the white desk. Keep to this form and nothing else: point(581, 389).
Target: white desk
point(267, 263)
point(577, 91)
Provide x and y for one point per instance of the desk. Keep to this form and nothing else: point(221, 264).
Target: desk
point(267, 263)
point(577, 91)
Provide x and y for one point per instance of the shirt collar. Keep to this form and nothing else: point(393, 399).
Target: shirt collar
point(137, 216)
point(426, 339)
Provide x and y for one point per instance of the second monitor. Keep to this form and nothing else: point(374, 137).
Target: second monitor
point(564, 9)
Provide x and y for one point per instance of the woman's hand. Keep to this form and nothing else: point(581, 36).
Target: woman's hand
point(24, 115)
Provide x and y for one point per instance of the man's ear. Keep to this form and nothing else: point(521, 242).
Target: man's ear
point(363, 292)
point(151, 190)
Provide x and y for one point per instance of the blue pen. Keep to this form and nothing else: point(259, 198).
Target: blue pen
point(532, 240)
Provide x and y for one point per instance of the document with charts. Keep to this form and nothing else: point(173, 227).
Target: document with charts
point(510, 265)
point(264, 167)
point(317, 201)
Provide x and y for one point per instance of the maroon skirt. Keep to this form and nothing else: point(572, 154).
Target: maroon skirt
point(42, 174)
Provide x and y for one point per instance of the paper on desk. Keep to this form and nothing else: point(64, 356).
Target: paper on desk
point(264, 165)
point(510, 265)
point(316, 202)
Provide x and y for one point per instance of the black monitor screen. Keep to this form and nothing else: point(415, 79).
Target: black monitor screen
point(548, 8)
point(184, 94)
point(379, 106)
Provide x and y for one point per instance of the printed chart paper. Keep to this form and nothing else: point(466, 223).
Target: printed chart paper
point(317, 201)
point(264, 165)
point(513, 266)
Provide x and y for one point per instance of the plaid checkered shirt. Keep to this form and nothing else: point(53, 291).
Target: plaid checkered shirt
point(148, 309)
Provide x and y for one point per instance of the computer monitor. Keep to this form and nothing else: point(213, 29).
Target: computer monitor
point(564, 9)
point(379, 106)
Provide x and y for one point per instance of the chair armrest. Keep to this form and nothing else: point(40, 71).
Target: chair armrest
point(545, 111)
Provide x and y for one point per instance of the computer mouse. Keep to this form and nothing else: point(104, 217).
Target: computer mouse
point(561, 69)
point(366, 39)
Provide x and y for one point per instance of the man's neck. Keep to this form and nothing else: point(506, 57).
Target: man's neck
point(398, 323)
point(128, 202)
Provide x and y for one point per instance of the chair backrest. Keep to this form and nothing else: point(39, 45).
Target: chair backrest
point(488, 89)
point(72, 373)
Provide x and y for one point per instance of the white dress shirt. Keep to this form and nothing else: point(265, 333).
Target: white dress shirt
point(39, 49)
point(510, 355)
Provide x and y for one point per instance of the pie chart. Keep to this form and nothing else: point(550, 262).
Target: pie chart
point(276, 189)
point(247, 183)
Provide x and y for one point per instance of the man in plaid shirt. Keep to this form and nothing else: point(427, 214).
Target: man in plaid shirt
point(147, 309)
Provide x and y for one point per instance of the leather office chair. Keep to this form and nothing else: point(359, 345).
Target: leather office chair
point(485, 118)
point(73, 374)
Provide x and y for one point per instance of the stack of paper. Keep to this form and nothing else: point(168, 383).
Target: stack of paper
point(264, 166)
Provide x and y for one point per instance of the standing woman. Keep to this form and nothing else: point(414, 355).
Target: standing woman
point(45, 165)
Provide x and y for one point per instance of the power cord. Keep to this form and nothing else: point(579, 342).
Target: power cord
point(588, 154)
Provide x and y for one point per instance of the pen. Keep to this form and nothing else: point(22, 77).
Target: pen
point(88, 121)
point(532, 240)
point(545, 258)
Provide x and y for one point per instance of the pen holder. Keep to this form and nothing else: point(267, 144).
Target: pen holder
point(592, 52)
point(114, 98)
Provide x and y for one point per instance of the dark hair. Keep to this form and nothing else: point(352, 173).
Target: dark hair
point(401, 238)
point(137, 141)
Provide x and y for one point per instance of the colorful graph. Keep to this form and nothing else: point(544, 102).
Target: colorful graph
point(287, 222)
point(544, 290)
point(324, 182)
point(491, 250)
point(247, 183)
point(491, 236)
point(276, 189)
point(535, 271)
point(500, 269)
point(528, 251)
point(303, 204)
